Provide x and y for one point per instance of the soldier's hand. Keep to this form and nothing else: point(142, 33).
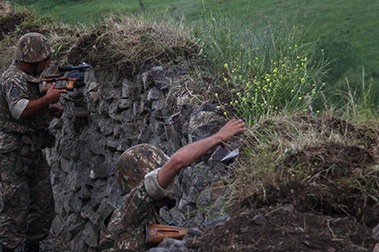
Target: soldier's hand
point(52, 95)
point(56, 110)
point(231, 128)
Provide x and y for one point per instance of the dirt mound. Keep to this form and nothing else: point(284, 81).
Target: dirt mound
point(338, 180)
point(8, 19)
point(130, 45)
point(16, 22)
point(282, 228)
point(11, 21)
point(306, 184)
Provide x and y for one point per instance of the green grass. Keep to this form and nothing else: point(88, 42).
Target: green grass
point(270, 71)
point(275, 75)
point(231, 32)
point(350, 22)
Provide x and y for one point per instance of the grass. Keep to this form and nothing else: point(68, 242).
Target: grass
point(270, 66)
point(321, 164)
point(278, 75)
point(252, 61)
point(353, 22)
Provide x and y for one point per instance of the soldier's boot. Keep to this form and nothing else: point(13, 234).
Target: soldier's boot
point(31, 246)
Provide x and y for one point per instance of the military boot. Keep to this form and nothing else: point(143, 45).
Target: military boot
point(30, 246)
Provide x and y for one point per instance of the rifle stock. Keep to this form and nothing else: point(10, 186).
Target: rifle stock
point(155, 233)
point(61, 82)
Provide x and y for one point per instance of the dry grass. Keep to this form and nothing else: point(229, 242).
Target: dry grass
point(7, 52)
point(9, 19)
point(16, 22)
point(124, 44)
point(322, 164)
point(129, 44)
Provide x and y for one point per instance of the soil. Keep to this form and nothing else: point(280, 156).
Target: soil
point(325, 211)
point(282, 228)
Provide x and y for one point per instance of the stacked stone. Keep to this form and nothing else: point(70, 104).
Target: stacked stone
point(122, 113)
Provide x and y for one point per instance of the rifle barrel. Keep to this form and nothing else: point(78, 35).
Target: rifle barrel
point(67, 68)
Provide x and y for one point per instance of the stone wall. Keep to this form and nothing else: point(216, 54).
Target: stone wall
point(114, 114)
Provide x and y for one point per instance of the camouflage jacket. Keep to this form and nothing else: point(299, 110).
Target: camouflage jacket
point(18, 87)
point(126, 228)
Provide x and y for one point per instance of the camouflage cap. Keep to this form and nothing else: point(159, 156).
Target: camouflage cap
point(136, 162)
point(33, 47)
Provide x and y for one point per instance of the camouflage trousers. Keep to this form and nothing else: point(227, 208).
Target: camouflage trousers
point(26, 199)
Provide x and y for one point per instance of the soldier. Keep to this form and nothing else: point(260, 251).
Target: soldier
point(26, 199)
point(125, 227)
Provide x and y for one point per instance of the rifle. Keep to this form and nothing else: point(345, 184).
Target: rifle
point(70, 77)
point(156, 233)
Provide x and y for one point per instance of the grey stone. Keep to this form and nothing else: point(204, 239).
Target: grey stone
point(78, 244)
point(112, 144)
point(56, 226)
point(126, 88)
point(90, 234)
point(172, 245)
point(259, 219)
point(154, 94)
point(375, 232)
point(104, 127)
point(124, 104)
point(125, 113)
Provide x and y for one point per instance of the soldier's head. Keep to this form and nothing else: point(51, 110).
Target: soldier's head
point(136, 162)
point(34, 50)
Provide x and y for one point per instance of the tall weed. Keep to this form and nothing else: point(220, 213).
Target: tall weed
point(265, 71)
point(354, 97)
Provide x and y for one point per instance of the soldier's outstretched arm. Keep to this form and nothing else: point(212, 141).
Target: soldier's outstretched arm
point(192, 152)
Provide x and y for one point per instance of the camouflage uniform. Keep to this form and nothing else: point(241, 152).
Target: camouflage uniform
point(26, 199)
point(125, 228)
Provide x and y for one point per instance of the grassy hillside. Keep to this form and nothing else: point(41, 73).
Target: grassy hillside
point(296, 151)
point(346, 29)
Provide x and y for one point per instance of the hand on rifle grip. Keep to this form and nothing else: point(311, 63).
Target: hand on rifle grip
point(52, 94)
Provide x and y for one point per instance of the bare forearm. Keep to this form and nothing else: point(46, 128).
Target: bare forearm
point(52, 95)
point(184, 157)
point(34, 106)
point(192, 152)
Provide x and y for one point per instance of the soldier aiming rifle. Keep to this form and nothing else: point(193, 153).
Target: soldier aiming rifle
point(27, 208)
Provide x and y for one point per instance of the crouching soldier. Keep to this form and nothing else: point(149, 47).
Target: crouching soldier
point(124, 230)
